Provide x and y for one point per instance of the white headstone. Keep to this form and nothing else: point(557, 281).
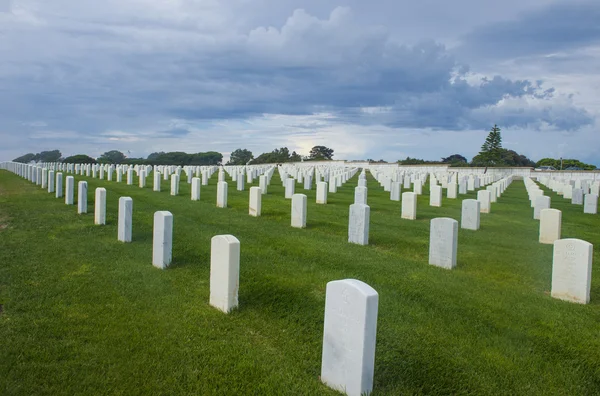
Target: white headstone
point(572, 270)
point(221, 194)
point(125, 219)
point(255, 201)
point(541, 202)
point(395, 191)
point(174, 184)
point(591, 204)
point(321, 192)
point(435, 196)
point(69, 190)
point(44, 178)
point(129, 176)
point(485, 205)
point(241, 183)
point(452, 190)
point(550, 225)
point(360, 195)
point(349, 335)
point(262, 182)
point(51, 179)
point(409, 206)
point(142, 179)
point(82, 197)
point(358, 224)
point(290, 187)
point(162, 241)
point(100, 206)
point(224, 272)
point(156, 183)
point(577, 198)
point(196, 188)
point(443, 242)
point(470, 216)
point(59, 185)
point(299, 211)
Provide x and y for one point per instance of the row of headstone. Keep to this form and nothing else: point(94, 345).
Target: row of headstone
point(579, 192)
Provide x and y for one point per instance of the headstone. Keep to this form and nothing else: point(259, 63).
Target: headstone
point(333, 185)
point(349, 335)
point(205, 178)
point(142, 179)
point(262, 182)
point(485, 205)
point(360, 195)
point(572, 270)
point(129, 177)
point(362, 183)
point(221, 194)
point(409, 206)
point(299, 211)
point(452, 190)
point(541, 202)
point(241, 183)
point(224, 272)
point(308, 182)
point(255, 201)
point(577, 198)
point(59, 185)
point(69, 190)
point(44, 178)
point(358, 224)
point(462, 187)
point(591, 204)
point(82, 188)
point(395, 191)
point(493, 194)
point(290, 187)
point(470, 216)
point(435, 196)
point(550, 225)
point(443, 242)
point(125, 219)
point(156, 185)
point(174, 184)
point(100, 206)
point(321, 192)
point(162, 241)
point(196, 188)
point(51, 179)
point(418, 188)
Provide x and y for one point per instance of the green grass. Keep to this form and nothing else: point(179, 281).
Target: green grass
point(85, 314)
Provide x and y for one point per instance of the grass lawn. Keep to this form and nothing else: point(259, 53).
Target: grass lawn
point(83, 314)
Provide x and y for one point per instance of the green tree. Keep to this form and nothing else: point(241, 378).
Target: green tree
point(240, 157)
point(455, 160)
point(48, 156)
point(491, 150)
point(320, 153)
point(295, 157)
point(79, 159)
point(112, 157)
point(565, 163)
point(25, 159)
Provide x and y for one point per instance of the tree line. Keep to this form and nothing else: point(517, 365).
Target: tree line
point(491, 154)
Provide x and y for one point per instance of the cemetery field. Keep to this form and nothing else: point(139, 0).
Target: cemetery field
point(81, 313)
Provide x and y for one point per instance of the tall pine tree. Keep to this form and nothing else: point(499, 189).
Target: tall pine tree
point(491, 150)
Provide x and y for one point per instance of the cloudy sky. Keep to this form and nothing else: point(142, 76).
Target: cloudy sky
point(370, 79)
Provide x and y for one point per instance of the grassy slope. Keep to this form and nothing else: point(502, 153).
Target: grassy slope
point(85, 314)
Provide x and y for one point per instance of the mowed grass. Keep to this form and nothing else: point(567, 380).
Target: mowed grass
point(85, 314)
